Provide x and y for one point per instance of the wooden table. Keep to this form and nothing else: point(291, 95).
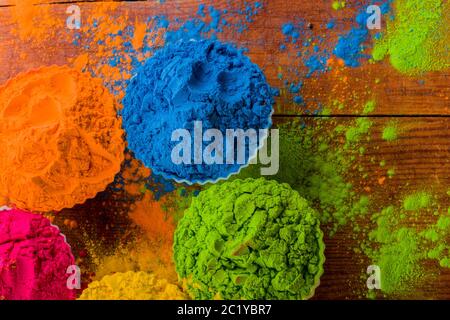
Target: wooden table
point(421, 154)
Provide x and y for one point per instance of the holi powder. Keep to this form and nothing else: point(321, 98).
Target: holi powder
point(34, 257)
point(249, 239)
point(205, 82)
point(132, 286)
point(400, 247)
point(63, 139)
point(139, 235)
point(417, 39)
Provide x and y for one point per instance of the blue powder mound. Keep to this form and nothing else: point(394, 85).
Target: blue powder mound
point(188, 81)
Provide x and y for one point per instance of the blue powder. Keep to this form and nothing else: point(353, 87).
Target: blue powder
point(189, 81)
point(350, 47)
point(201, 10)
point(287, 29)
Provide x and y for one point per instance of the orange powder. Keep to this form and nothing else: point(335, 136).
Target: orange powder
point(151, 251)
point(34, 20)
point(61, 139)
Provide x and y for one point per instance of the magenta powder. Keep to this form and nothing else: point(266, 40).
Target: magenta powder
point(34, 257)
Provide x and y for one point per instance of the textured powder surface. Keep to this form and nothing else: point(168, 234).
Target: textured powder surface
point(61, 139)
point(191, 81)
point(34, 257)
point(249, 239)
point(132, 286)
point(417, 40)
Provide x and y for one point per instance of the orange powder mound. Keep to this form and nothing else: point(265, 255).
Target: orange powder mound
point(61, 139)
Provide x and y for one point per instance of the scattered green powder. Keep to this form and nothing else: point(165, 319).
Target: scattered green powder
point(391, 173)
point(417, 201)
point(396, 250)
point(337, 5)
point(249, 239)
point(362, 127)
point(316, 165)
point(417, 39)
point(439, 235)
point(400, 249)
point(390, 131)
point(369, 107)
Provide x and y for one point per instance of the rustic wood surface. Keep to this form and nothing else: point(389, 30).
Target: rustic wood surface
point(420, 155)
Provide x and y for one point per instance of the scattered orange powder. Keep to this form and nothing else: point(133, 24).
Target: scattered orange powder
point(152, 249)
point(33, 20)
point(61, 139)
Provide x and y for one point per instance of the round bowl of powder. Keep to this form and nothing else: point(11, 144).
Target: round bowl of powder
point(183, 101)
point(249, 239)
point(61, 138)
point(132, 286)
point(34, 257)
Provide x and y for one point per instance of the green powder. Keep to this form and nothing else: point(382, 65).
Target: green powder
point(249, 239)
point(390, 131)
point(337, 5)
point(396, 250)
point(439, 235)
point(417, 39)
point(316, 165)
point(400, 248)
point(355, 133)
point(417, 201)
point(391, 173)
point(369, 107)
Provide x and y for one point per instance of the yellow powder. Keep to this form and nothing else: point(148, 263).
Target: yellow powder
point(132, 286)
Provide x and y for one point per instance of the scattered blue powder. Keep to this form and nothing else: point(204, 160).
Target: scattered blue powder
point(189, 81)
point(298, 100)
point(331, 24)
point(287, 29)
point(201, 10)
point(350, 47)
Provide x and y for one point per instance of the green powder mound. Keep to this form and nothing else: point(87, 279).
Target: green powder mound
point(396, 250)
point(417, 39)
point(417, 201)
point(249, 239)
point(313, 162)
point(390, 131)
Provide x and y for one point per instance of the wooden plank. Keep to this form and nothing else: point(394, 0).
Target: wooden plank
point(395, 93)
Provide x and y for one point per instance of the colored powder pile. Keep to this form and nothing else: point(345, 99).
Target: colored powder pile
point(249, 239)
point(390, 131)
point(34, 258)
point(351, 46)
point(132, 286)
point(315, 164)
point(61, 137)
point(190, 81)
point(417, 40)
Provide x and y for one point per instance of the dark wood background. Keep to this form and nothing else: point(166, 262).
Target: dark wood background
point(420, 155)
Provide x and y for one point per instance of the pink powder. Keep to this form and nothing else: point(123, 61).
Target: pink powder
point(34, 257)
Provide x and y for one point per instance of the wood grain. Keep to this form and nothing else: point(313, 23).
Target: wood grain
point(420, 155)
